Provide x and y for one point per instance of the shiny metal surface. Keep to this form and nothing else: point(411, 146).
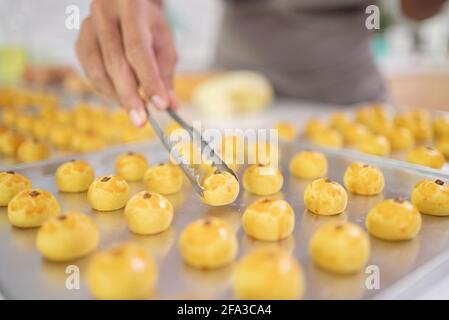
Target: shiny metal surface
point(24, 274)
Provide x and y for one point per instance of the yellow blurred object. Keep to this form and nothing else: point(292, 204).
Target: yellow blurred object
point(426, 156)
point(185, 84)
point(376, 145)
point(32, 150)
point(328, 137)
point(401, 138)
point(286, 131)
point(417, 121)
point(10, 142)
point(233, 93)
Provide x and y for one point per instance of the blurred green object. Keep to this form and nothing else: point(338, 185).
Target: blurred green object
point(12, 64)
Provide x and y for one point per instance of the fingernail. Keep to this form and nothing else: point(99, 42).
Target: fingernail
point(159, 102)
point(174, 99)
point(137, 117)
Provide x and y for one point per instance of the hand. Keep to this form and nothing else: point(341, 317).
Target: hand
point(127, 44)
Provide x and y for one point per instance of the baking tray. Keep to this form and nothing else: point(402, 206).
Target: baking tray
point(24, 274)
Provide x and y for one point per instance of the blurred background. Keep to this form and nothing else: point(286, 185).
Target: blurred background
point(413, 56)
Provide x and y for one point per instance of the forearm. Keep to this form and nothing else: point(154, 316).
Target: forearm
point(421, 9)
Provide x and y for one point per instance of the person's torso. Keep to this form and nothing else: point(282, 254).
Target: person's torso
point(310, 49)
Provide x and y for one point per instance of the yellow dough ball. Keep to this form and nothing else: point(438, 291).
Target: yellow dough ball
point(32, 207)
point(67, 237)
point(172, 126)
point(208, 243)
point(108, 193)
point(325, 197)
point(375, 118)
point(340, 248)
point(426, 156)
point(286, 131)
point(262, 180)
point(220, 188)
point(431, 197)
point(74, 176)
point(339, 120)
point(11, 183)
point(125, 271)
point(10, 142)
point(417, 121)
point(40, 129)
point(313, 126)
point(308, 165)
point(401, 138)
point(364, 179)
point(165, 178)
point(376, 145)
point(148, 213)
point(32, 150)
point(442, 145)
point(269, 274)
point(269, 219)
point(441, 126)
point(131, 166)
point(393, 219)
point(355, 133)
point(328, 137)
point(61, 136)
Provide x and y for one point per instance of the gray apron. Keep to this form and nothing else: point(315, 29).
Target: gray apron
point(310, 49)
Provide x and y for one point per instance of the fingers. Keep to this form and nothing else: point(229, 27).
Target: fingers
point(139, 49)
point(89, 55)
point(117, 66)
point(167, 58)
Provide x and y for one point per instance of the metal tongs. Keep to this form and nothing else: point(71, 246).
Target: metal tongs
point(190, 171)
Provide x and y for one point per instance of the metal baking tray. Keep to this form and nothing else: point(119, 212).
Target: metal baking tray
point(24, 274)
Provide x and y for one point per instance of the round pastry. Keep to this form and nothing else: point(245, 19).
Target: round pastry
point(125, 271)
point(32, 150)
point(74, 176)
point(375, 118)
point(364, 179)
point(165, 178)
point(418, 122)
point(262, 180)
point(339, 120)
point(61, 136)
point(313, 126)
point(220, 188)
point(131, 166)
point(375, 144)
point(431, 197)
point(286, 131)
point(40, 129)
point(393, 219)
point(268, 274)
point(32, 207)
point(208, 243)
point(325, 197)
point(148, 213)
point(308, 165)
point(355, 133)
point(442, 145)
point(269, 219)
point(108, 193)
point(340, 247)
point(11, 183)
point(9, 143)
point(441, 126)
point(67, 237)
point(401, 138)
point(327, 137)
point(426, 156)
point(24, 123)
